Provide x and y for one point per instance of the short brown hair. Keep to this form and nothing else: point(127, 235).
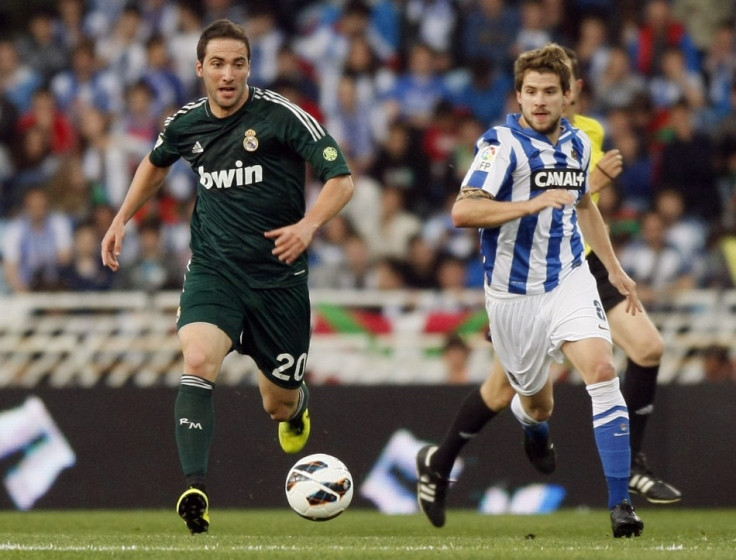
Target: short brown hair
point(550, 58)
point(221, 29)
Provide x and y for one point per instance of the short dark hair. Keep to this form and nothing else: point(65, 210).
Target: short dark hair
point(221, 29)
point(550, 58)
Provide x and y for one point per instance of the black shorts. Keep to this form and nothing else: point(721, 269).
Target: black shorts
point(610, 296)
point(272, 326)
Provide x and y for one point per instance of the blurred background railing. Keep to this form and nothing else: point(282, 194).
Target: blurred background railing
point(360, 337)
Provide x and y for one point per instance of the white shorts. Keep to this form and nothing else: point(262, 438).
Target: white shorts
point(528, 330)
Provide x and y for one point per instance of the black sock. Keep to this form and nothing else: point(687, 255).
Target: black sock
point(639, 388)
point(470, 419)
point(302, 405)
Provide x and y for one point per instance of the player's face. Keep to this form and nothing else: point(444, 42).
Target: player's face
point(542, 101)
point(225, 71)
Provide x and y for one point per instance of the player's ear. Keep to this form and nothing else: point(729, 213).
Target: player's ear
point(199, 69)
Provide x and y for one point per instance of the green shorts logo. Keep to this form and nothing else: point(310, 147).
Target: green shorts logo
point(330, 154)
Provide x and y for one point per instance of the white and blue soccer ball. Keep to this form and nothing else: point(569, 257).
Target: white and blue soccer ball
point(319, 487)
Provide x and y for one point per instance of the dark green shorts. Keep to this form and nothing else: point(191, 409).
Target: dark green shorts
point(271, 326)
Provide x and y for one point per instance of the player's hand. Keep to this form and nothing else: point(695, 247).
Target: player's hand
point(552, 198)
point(291, 241)
point(612, 164)
point(627, 287)
point(112, 244)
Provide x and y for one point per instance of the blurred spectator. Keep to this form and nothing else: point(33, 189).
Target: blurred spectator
point(9, 115)
point(70, 26)
point(658, 269)
point(659, 32)
point(617, 86)
point(440, 232)
point(688, 165)
point(676, 82)
point(438, 143)
point(456, 356)
point(534, 31)
point(718, 271)
point(160, 17)
point(720, 71)
point(153, 269)
point(40, 47)
point(291, 89)
point(71, 193)
point(432, 22)
point(420, 270)
point(400, 163)
point(159, 74)
point(635, 183)
point(266, 38)
point(327, 253)
point(364, 210)
point(417, 90)
point(387, 18)
point(104, 158)
point(489, 29)
point(139, 122)
point(685, 232)
point(123, 51)
point(397, 228)
point(452, 275)
point(34, 164)
point(19, 79)
point(229, 9)
point(101, 15)
point(36, 245)
point(350, 123)
point(359, 272)
point(702, 18)
point(593, 49)
point(483, 94)
point(390, 275)
point(183, 46)
point(84, 85)
point(85, 272)
point(718, 367)
point(326, 47)
point(45, 115)
point(291, 67)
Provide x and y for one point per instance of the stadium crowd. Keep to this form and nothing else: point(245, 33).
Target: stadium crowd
point(406, 87)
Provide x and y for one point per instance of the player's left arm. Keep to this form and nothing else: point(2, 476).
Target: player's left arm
point(596, 235)
point(292, 240)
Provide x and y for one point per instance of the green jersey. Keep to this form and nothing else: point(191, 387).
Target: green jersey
point(252, 171)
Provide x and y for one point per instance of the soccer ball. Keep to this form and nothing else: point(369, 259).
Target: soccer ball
point(319, 487)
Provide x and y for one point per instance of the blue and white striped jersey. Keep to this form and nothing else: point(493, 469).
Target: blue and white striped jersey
point(532, 254)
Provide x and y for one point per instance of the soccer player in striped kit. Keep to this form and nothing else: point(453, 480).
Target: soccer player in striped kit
point(528, 192)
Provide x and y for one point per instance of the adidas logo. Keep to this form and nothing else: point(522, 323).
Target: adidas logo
point(197, 148)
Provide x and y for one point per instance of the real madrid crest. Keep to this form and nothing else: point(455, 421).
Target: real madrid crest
point(250, 142)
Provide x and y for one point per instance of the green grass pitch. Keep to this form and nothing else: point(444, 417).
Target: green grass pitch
point(676, 533)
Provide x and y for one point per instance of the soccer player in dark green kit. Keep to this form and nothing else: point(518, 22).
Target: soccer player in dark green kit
point(246, 284)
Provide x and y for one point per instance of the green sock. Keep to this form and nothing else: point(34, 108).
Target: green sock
point(195, 424)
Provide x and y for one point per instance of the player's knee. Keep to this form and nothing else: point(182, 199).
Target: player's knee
point(649, 352)
point(602, 371)
point(541, 413)
point(197, 362)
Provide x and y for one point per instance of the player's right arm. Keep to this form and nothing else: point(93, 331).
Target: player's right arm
point(146, 181)
point(477, 208)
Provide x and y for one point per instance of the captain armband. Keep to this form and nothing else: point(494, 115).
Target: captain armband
point(473, 192)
